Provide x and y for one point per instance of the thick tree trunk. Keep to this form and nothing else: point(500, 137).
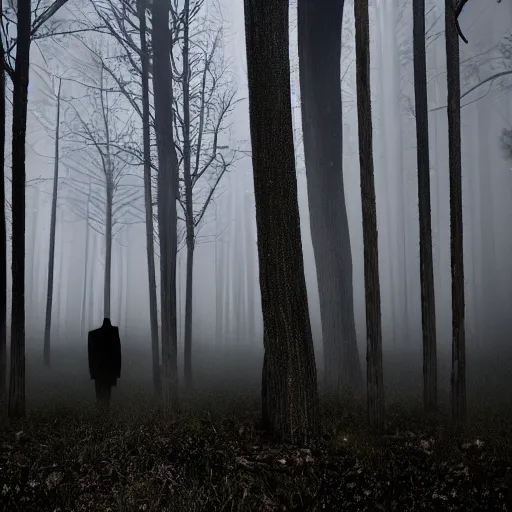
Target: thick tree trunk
point(3, 242)
point(51, 252)
point(167, 196)
point(428, 305)
point(107, 285)
point(150, 249)
point(370, 238)
point(289, 383)
point(17, 406)
point(458, 375)
point(319, 29)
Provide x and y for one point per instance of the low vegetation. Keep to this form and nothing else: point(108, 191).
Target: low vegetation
point(214, 456)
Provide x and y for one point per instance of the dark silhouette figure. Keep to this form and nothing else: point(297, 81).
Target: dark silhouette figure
point(104, 347)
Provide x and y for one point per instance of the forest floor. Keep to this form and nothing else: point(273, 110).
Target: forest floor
point(213, 457)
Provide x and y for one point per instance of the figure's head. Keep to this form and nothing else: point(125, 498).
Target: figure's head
point(106, 322)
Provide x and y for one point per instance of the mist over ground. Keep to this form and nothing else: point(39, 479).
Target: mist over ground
point(216, 450)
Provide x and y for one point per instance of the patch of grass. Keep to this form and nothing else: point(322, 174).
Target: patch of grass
point(212, 456)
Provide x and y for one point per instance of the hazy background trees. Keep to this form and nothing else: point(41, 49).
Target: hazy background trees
point(224, 297)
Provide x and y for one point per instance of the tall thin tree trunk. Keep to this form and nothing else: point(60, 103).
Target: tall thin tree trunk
point(289, 380)
point(86, 266)
point(490, 297)
point(189, 199)
point(187, 353)
point(319, 28)
point(167, 195)
point(388, 226)
point(397, 153)
point(219, 282)
point(34, 303)
point(53, 220)
point(228, 278)
point(3, 242)
point(148, 200)
point(108, 252)
point(60, 266)
point(428, 305)
point(126, 279)
point(120, 284)
point(93, 265)
point(458, 375)
point(370, 238)
point(17, 405)
point(250, 281)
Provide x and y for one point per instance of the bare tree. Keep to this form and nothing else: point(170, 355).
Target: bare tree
point(289, 381)
point(100, 130)
point(26, 30)
point(207, 99)
point(370, 239)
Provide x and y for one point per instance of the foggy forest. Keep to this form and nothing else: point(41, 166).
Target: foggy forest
point(291, 216)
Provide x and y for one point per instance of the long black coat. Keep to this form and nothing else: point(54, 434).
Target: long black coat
point(104, 346)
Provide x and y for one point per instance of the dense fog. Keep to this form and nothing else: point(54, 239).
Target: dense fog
point(227, 319)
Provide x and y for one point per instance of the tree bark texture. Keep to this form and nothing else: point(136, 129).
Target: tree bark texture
point(458, 374)
point(374, 372)
point(289, 383)
point(167, 196)
point(428, 305)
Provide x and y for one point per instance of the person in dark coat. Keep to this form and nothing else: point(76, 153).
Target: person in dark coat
point(104, 346)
